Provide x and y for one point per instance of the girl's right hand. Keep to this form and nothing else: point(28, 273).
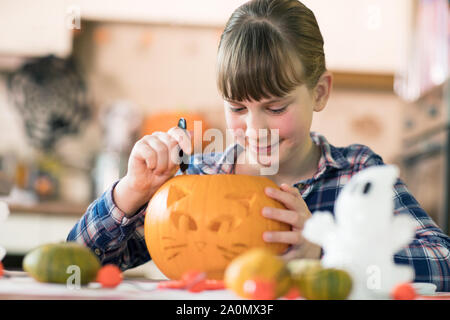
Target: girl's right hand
point(154, 159)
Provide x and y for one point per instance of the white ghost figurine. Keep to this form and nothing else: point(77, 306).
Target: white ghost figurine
point(364, 235)
point(4, 213)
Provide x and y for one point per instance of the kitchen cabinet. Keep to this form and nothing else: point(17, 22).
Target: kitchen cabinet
point(425, 156)
point(27, 228)
point(30, 226)
point(360, 35)
point(424, 85)
point(365, 36)
point(35, 28)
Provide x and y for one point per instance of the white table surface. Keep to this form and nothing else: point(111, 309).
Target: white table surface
point(24, 287)
point(18, 285)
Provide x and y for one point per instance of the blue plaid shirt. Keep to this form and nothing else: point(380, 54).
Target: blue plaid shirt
point(120, 240)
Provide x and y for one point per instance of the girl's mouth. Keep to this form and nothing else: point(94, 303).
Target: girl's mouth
point(266, 150)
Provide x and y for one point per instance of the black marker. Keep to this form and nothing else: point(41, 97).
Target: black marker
point(183, 165)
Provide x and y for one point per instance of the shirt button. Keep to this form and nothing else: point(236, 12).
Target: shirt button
point(97, 251)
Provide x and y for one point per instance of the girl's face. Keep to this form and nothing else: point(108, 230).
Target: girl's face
point(291, 115)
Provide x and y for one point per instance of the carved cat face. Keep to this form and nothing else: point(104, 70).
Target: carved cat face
point(202, 222)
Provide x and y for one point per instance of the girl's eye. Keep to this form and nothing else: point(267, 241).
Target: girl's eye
point(274, 111)
point(236, 109)
point(278, 111)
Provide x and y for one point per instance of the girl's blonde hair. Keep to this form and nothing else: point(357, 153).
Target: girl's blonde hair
point(267, 49)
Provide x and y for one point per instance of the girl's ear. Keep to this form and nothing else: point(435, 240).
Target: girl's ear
point(322, 91)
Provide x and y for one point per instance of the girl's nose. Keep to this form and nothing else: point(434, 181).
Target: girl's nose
point(256, 128)
point(258, 137)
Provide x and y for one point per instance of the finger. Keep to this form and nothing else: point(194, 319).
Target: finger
point(166, 138)
point(305, 250)
point(293, 218)
point(172, 145)
point(143, 152)
point(292, 253)
point(183, 138)
point(289, 237)
point(162, 153)
point(292, 190)
point(289, 200)
point(300, 204)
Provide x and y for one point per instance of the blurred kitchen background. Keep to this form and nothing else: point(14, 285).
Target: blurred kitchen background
point(81, 81)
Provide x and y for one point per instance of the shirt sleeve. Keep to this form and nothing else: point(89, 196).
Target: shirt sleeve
point(429, 251)
point(112, 236)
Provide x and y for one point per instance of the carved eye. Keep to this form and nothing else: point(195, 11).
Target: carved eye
point(183, 221)
point(223, 224)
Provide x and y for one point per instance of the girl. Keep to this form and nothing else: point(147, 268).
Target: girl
point(272, 75)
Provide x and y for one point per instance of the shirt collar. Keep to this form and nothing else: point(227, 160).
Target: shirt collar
point(331, 157)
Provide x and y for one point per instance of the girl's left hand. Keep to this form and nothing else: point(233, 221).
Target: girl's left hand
point(296, 215)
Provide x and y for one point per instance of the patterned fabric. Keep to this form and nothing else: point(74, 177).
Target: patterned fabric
point(120, 240)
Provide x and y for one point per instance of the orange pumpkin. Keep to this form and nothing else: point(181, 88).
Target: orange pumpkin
point(165, 120)
point(202, 222)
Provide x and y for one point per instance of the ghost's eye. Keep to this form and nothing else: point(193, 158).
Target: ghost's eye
point(367, 188)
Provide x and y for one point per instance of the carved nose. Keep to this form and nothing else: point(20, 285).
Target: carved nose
point(200, 245)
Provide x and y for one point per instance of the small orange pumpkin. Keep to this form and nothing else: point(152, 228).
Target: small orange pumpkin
point(203, 222)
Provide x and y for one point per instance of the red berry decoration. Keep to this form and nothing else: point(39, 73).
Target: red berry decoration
point(194, 280)
point(171, 284)
point(198, 287)
point(259, 289)
point(109, 276)
point(403, 291)
point(212, 284)
point(1, 269)
point(192, 277)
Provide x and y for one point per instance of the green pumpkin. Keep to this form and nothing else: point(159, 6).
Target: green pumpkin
point(324, 284)
point(51, 262)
